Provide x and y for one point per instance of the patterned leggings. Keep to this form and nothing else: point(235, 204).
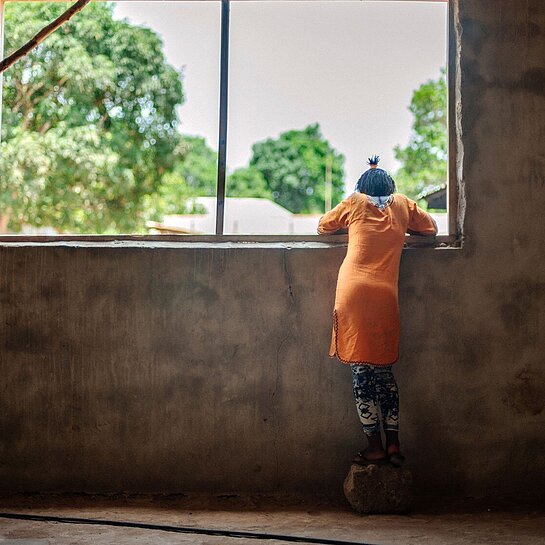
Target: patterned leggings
point(374, 387)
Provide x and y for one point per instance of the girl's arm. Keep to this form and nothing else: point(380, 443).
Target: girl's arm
point(337, 219)
point(420, 222)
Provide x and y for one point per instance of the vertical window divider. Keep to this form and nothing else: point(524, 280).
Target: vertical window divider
point(2, 11)
point(222, 137)
point(452, 169)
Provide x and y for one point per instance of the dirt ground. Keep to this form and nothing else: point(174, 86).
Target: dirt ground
point(468, 521)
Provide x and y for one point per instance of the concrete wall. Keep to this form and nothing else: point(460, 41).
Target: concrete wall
point(205, 368)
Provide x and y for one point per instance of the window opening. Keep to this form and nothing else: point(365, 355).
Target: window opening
point(314, 87)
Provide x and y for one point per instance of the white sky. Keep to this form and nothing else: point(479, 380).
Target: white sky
point(351, 66)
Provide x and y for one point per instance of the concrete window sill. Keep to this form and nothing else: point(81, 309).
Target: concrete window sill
point(218, 241)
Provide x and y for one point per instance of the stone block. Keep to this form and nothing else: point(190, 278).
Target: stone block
point(378, 488)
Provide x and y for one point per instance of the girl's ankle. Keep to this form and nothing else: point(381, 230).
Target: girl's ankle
point(392, 448)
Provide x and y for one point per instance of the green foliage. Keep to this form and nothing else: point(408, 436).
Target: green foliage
point(89, 121)
point(63, 178)
point(198, 166)
point(247, 182)
point(424, 159)
point(194, 175)
point(294, 169)
point(90, 140)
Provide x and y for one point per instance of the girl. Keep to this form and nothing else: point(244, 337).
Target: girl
point(366, 316)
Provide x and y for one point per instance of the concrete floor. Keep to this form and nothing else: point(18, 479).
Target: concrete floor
point(439, 522)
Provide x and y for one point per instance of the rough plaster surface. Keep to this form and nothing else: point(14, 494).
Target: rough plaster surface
point(173, 369)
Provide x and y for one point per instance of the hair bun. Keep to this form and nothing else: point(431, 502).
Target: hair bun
point(373, 161)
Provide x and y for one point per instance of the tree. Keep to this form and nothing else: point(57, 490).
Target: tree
point(424, 159)
point(90, 124)
point(294, 169)
point(40, 36)
point(198, 166)
point(247, 182)
point(193, 175)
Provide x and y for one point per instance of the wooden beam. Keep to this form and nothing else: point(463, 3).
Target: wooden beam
point(42, 35)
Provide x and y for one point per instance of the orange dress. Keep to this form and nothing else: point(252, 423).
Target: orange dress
point(366, 314)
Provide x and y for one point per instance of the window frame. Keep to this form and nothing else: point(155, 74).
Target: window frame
point(454, 188)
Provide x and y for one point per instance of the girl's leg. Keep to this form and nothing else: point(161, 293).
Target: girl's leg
point(388, 399)
point(365, 394)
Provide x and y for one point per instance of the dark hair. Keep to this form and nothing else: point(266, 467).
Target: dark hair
point(375, 181)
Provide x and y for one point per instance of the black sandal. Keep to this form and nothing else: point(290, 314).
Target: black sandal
point(396, 459)
point(362, 460)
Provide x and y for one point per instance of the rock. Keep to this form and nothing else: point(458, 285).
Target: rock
point(378, 488)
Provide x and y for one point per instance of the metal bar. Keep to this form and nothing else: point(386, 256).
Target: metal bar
point(222, 143)
point(2, 11)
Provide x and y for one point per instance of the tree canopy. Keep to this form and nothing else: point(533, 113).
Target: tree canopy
point(193, 175)
point(247, 182)
point(90, 139)
point(424, 159)
point(294, 169)
point(289, 170)
point(90, 124)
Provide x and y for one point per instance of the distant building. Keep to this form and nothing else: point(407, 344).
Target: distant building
point(435, 196)
point(248, 216)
